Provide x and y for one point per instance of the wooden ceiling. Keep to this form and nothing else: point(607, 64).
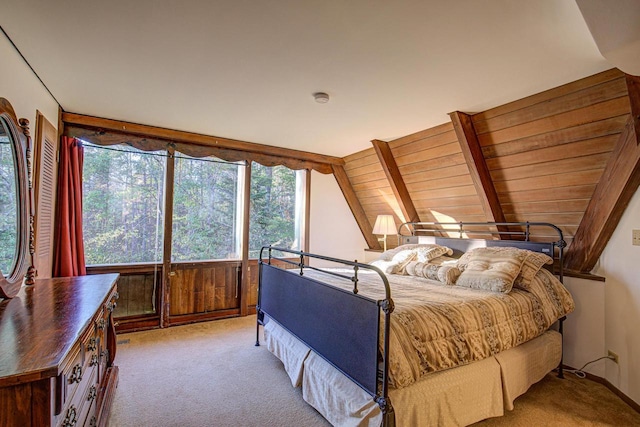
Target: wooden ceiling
point(568, 156)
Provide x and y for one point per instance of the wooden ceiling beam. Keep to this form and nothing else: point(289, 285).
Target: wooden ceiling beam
point(618, 184)
point(354, 204)
point(478, 169)
point(152, 132)
point(396, 182)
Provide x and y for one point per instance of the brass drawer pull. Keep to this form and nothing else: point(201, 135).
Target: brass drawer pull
point(92, 393)
point(76, 374)
point(94, 360)
point(93, 344)
point(71, 418)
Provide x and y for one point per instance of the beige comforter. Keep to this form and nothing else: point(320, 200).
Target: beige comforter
point(436, 327)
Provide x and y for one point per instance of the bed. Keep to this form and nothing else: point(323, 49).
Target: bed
point(444, 329)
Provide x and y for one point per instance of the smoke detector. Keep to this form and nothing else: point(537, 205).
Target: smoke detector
point(321, 97)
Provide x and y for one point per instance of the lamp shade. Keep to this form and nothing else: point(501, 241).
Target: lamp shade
point(385, 225)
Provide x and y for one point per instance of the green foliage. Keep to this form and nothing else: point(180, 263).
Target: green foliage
point(123, 204)
point(123, 207)
point(204, 210)
point(272, 209)
point(8, 208)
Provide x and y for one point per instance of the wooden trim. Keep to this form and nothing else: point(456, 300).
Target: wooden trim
point(618, 184)
point(633, 89)
point(472, 151)
point(60, 124)
point(124, 269)
point(244, 286)
point(137, 323)
point(164, 287)
point(586, 276)
point(105, 402)
point(356, 208)
point(307, 212)
point(184, 319)
point(396, 182)
point(294, 159)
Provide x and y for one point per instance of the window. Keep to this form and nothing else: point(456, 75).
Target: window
point(123, 205)
point(206, 210)
point(276, 208)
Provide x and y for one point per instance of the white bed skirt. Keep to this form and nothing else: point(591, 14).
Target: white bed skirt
point(455, 397)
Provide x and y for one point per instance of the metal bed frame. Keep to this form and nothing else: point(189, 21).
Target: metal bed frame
point(344, 327)
point(316, 313)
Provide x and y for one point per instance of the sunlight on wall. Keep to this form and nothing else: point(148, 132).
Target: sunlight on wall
point(440, 217)
point(393, 204)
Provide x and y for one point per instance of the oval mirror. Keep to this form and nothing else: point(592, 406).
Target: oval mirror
point(14, 202)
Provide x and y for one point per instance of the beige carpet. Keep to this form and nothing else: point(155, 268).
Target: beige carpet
point(210, 374)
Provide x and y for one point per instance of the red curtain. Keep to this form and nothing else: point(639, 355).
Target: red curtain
point(69, 251)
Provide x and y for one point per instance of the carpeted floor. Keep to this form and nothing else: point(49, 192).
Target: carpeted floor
point(210, 374)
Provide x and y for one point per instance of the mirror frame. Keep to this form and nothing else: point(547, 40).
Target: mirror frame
point(19, 134)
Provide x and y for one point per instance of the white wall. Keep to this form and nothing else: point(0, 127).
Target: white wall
point(22, 88)
point(334, 231)
point(620, 264)
point(584, 332)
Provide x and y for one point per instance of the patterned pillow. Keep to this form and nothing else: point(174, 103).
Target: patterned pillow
point(493, 269)
point(395, 260)
point(446, 274)
point(400, 261)
point(427, 252)
point(532, 264)
point(443, 260)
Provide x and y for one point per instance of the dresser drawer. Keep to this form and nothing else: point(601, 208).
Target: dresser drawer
point(75, 413)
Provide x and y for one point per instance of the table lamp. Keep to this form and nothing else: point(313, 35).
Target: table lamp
point(385, 225)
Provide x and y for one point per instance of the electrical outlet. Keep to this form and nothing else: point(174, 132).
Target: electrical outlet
point(636, 238)
point(613, 356)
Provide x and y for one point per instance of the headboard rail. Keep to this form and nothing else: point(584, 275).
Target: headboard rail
point(463, 236)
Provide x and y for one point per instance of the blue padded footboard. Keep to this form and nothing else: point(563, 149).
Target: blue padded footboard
point(339, 325)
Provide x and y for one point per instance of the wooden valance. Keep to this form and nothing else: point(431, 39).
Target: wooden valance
point(149, 138)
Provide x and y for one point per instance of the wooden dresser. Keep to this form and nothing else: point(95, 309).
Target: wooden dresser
point(57, 346)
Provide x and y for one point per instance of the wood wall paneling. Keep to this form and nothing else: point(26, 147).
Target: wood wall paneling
point(396, 181)
point(546, 153)
point(581, 116)
point(609, 126)
point(619, 182)
point(138, 294)
point(435, 173)
point(544, 156)
point(204, 287)
point(550, 94)
point(583, 98)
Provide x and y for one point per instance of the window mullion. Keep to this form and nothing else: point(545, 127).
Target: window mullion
point(244, 306)
point(168, 234)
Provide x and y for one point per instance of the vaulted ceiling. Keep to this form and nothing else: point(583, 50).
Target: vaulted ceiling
point(247, 69)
